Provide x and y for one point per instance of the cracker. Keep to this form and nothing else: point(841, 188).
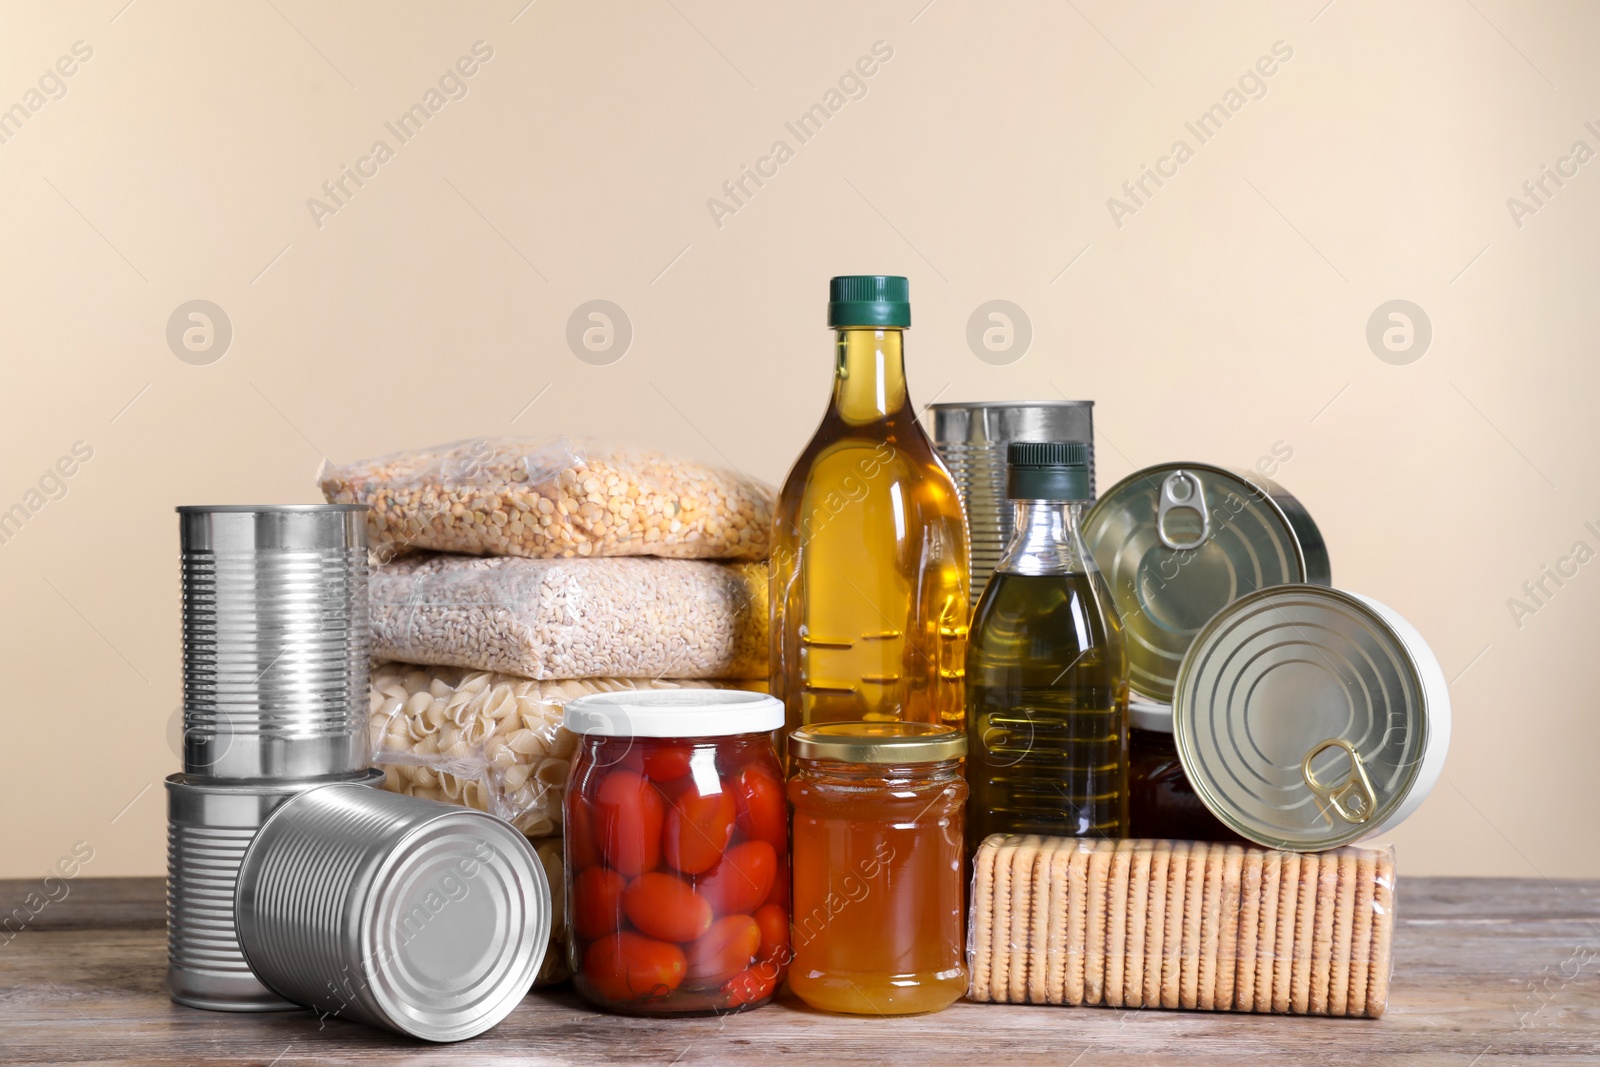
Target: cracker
point(1283, 939)
point(1023, 902)
point(1077, 921)
point(1305, 924)
point(1039, 922)
point(1382, 937)
point(983, 912)
point(1138, 909)
point(1267, 928)
point(1210, 929)
point(1094, 941)
point(1194, 903)
point(1228, 940)
point(1244, 956)
point(1155, 923)
point(1343, 901)
point(1361, 930)
point(1055, 962)
point(1172, 942)
point(1116, 944)
point(1322, 932)
point(1010, 925)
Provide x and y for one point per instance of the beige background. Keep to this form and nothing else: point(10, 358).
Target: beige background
point(1226, 315)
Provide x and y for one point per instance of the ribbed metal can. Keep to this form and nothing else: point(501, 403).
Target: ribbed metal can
point(420, 917)
point(972, 439)
point(210, 824)
point(275, 641)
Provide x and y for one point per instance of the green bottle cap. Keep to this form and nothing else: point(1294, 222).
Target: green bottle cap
point(1047, 470)
point(869, 300)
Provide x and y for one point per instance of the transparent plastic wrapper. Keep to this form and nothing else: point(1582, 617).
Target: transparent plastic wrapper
point(548, 619)
point(1142, 923)
point(554, 969)
point(488, 741)
point(554, 498)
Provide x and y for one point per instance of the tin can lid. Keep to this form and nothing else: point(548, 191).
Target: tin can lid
point(673, 713)
point(446, 966)
point(1307, 718)
point(1179, 541)
point(878, 742)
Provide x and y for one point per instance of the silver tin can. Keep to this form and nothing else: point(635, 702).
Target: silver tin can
point(420, 917)
point(1307, 718)
point(1178, 542)
point(972, 439)
point(209, 826)
point(275, 640)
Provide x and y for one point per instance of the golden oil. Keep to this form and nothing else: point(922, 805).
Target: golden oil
point(869, 572)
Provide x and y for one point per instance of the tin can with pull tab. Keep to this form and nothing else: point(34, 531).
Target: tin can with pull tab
point(1307, 718)
point(1178, 542)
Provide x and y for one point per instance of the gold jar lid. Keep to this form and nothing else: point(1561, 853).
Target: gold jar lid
point(878, 742)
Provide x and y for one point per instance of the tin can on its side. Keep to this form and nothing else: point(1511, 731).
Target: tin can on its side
point(275, 640)
point(1308, 718)
point(209, 826)
point(1178, 542)
point(420, 917)
point(972, 439)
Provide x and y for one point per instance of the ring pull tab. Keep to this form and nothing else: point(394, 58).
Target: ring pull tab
point(1351, 799)
point(1182, 491)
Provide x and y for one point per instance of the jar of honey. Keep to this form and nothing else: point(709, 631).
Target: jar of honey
point(878, 858)
point(1161, 801)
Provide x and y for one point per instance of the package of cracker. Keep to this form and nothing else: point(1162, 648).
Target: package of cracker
point(1181, 924)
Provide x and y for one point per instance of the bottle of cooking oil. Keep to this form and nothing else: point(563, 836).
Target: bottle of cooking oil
point(869, 560)
point(1047, 670)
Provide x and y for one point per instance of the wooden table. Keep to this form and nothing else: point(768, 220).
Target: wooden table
point(1486, 971)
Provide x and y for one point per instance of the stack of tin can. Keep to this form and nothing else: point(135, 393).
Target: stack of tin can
point(274, 702)
point(290, 882)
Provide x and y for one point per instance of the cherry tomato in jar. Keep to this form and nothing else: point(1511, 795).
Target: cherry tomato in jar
point(667, 763)
point(725, 950)
point(628, 966)
point(773, 920)
point(664, 906)
point(597, 902)
point(763, 808)
point(742, 881)
point(628, 814)
point(779, 893)
point(751, 984)
point(697, 829)
point(582, 852)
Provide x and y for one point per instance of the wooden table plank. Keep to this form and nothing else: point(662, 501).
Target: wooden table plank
point(1487, 971)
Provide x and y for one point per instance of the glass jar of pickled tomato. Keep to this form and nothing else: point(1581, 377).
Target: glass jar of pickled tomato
point(677, 849)
point(1161, 802)
point(878, 892)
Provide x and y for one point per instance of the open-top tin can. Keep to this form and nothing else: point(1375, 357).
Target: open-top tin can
point(1178, 542)
point(420, 917)
point(1307, 718)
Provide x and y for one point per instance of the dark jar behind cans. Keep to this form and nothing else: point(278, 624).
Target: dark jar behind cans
point(1162, 802)
point(677, 850)
point(878, 861)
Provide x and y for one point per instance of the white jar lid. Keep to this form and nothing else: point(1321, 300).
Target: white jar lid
point(673, 713)
point(1148, 715)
